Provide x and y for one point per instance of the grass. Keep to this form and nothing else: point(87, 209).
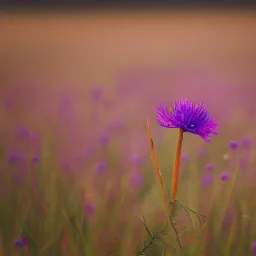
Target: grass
point(69, 206)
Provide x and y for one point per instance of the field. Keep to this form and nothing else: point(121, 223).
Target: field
point(77, 176)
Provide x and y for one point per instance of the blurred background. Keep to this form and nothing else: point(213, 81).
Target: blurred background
point(76, 85)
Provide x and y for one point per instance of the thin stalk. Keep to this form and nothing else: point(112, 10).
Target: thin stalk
point(155, 163)
point(176, 169)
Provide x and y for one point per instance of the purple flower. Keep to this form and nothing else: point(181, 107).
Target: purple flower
point(9, 101)
point(246, 142)
point(88, 208)
point(35, 159)
point(209, 167)
point(20, 242)
point(184, 157)
point(224, 176)
point(14, 158)
point(190, 117)
point(136, 159)
point(104, 138)
point(136, 179)
point(101, 166)
point(23, 132)
point(207, 179)
point(233, 145)
point(253, 247)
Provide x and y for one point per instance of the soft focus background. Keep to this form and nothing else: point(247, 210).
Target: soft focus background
point(75, 164)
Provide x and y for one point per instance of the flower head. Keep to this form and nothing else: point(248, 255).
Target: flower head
point(224, 176)
point(233, 145)
point(190, 117)
point(88, 207)
point(184, 157)
point(101, 167)
point(253, 247)
point(246, 142)
point(35, 159)
point(209, 167)
point(20, 242)
point(206, 179)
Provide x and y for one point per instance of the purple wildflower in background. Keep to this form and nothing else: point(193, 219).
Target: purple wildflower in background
point(209, 167)
point(253, 247)
point(136, 159)
point(224, 176)
point(35, 159)
point(101, 166)
point(233, 145)
point(207, 179)
point(104, 138)
point(135, 180)
point(19, 243)
point(23, 132)
point(184, 157)
point(9, 101)
point(246, 142)
point(187, 116)
point(88, 208)
point(14, 158)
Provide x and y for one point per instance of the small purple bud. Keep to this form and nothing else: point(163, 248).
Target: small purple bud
point(35, 159)
point(136, 180)
point(136, 159)
point(209, 167)
point(22, 132)
point(88, 208)
point(207, 179)
point(14, 158)
point(184, 157)
point(246, 142)
point(224, 176)
point(20, 242)
point(233, 145)
point(104, 138)
point(9, 101)
point(101, 166)
point(253, 247)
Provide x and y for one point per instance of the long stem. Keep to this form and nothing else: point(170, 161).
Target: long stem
point(156, 166)
point(176, 168)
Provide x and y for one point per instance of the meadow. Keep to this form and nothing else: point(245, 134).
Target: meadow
point(77, 176)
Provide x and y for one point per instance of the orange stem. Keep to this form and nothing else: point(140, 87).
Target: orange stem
point(176, 168)
point(156, 166)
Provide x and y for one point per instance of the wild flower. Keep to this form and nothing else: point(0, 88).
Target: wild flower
point(224, 176)
point(246, 142)
point(88, 208)
point(209, 167)
point(253, 247)
point(135, 180)
point(100, 166)
point(184, 157)
point(35, 159)
point(18, 243)
point(187, 117)
point(104, 138)
point(206, 179)
point(136, 159)
point(233, 145)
